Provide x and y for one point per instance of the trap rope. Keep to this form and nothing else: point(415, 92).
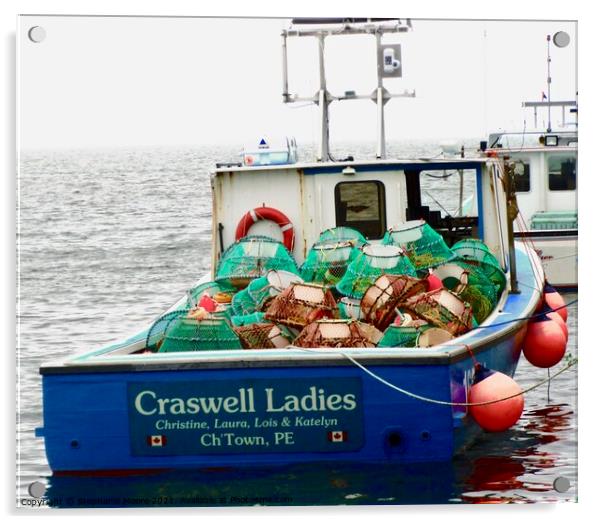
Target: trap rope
point(570, 364)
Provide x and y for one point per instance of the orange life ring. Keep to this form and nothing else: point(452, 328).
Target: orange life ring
point(267, 213)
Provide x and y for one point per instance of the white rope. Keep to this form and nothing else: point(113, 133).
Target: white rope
point(444, 402)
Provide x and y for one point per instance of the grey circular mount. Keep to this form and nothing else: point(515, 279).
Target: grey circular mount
point(561, 39)
point(37, 489)
point(562, 484)
point(37, 34)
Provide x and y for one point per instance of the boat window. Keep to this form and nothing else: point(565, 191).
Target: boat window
point(522, 177)
point(361, 205)
point(446, 199)
point(562, 172)
point(448, 192)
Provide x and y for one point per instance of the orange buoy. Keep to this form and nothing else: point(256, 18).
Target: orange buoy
point(555, 301)
point(433, 281)
point(544, 344)
point(556, 318)
point(491, 385)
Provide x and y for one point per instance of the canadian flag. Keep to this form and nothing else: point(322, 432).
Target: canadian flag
point(156, 440)
point(337, 436)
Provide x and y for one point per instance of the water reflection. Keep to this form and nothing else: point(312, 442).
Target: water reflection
point(507, 467)
point(521, 460)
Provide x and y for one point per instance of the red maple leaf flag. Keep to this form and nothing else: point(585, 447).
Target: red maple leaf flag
point(337, 436)
point(156, 440)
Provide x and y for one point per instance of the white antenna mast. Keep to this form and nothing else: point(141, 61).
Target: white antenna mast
point(560, 39)
point(388, 66)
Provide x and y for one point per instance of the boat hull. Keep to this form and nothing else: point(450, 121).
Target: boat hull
point(91, 422)
point(557, 250)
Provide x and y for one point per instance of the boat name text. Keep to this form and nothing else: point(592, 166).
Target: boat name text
point(148, 403)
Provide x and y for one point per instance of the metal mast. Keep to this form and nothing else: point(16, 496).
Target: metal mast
point(388, 65)
point(560, 40)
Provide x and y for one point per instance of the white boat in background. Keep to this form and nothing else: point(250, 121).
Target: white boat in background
point(546, 183)
point(546, 191)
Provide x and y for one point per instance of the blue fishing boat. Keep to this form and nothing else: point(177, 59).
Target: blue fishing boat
point(332, 377)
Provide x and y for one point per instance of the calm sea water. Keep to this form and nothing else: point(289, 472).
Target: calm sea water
point(110, 239)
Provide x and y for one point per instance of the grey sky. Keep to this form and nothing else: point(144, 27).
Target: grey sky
point(176, 81)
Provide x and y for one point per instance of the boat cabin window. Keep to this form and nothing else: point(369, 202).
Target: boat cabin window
point(562, 172)
point(446, 199)
point(361, 205)
point(522, 177)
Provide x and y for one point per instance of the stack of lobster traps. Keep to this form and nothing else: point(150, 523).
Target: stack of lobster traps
point(411, 290)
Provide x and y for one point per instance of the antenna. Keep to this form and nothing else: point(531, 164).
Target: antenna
point(388, 66)
point(560, 39)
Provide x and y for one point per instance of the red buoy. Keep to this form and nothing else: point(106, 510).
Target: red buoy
point(555, 301)
point(556, 318)
point(491, 385)
point(208, 303)
point(545, 342)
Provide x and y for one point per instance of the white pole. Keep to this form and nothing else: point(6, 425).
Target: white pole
point(323, 152)
point(285, 93)
point(549, 84)
point(380, 107)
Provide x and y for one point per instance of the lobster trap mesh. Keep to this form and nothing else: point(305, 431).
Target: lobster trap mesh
point(381, 300)
point(474, 250)
point(243, 304)
point(423, 245)
point(373, 261)
point(494, 274)
point(342, 234)
point(472, 285)
point(327, 262)
point(156, 333)
point(263, 336)
point(338, 334)
point(243, 320)
point(301, 304)
point(188, 334)
point(252, 257)
point(221, 292)
point(399, 337)
point(443, 309)
point(260, 291)
point(349, 308)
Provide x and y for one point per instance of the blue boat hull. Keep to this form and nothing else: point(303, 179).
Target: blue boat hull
point(87, 418)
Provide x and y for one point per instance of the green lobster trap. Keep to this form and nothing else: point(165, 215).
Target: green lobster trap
point(400, 337)
point(156, 334)
point(422, 244)
point(474, 250)
point(343, 234)
point(252, 257)
point(373, 261)
point(188, 334)
point(472, 285)
point(244, 320)
point(476, 253)
point(260, 291)
point(442, 309)
point(327, 262)
point(221, 292)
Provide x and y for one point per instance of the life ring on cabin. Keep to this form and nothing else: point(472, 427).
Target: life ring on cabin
point(267, 213)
